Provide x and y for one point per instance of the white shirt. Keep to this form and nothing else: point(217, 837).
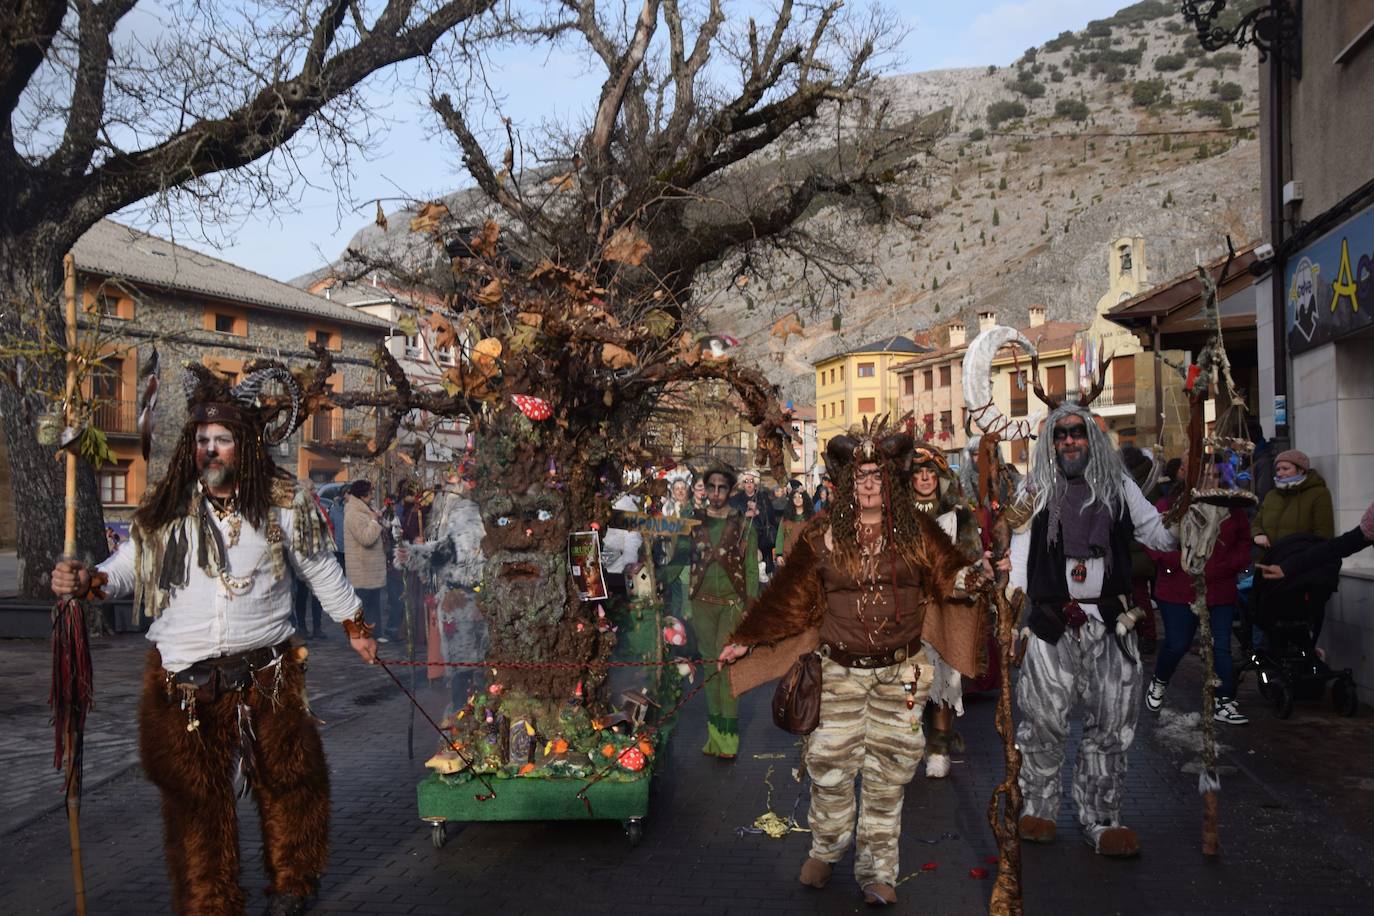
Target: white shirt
point(206, 619)
point(1149, 530)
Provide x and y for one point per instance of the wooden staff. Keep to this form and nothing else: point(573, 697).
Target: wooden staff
point(1004, 808)
point(71, 739)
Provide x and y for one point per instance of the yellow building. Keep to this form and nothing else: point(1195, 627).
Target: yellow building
point(858, 384)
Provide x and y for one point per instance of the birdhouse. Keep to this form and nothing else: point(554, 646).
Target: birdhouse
point(1226, 477)
point(637, 706)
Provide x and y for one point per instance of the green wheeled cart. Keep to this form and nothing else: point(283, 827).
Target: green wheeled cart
point(619, 795)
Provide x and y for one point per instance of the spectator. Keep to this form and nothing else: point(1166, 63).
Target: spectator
point(1140, 464)
point(699, 495)
point(791, 523)
point(1353, 541)
point(1174, 592)
point(758, 508)
point(364, 550)
point(1300, 503)
point(820, 500)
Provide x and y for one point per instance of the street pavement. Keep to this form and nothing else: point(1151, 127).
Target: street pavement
point(1297, 809)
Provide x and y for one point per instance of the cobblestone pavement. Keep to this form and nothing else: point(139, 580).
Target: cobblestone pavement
point(1297, 803)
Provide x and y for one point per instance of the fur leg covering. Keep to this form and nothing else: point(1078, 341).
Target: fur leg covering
point(292, 785)
point(193, 770)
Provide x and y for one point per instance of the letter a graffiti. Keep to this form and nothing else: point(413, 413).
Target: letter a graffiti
point(1344, 284)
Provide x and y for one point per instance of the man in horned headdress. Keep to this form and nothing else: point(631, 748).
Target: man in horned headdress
point(1075, 567)
point(212, 556)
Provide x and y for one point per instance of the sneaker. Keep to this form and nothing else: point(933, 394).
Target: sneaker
point(1226, 711)
point(937, 766)
point(383, 640)
point(1154, 696)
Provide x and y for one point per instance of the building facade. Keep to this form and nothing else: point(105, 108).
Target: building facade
point(1315, 302)
point(858, 385)
point(140, 292)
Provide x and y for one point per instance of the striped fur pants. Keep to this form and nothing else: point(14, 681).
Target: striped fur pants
point(865, 728)
point(1090, 670)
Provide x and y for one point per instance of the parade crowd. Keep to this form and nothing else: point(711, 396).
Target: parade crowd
point(872, 580)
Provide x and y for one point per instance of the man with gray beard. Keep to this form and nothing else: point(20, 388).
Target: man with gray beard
point(1075, 567)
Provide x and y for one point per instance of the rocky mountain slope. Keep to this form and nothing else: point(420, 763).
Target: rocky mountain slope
point(1129, 129)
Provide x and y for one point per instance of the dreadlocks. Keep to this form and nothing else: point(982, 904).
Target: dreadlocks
point(903, 521)
point(1045, 482)
point(168, 501)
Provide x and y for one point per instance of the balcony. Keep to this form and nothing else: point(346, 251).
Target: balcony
point(116, 417)
point(336, 424)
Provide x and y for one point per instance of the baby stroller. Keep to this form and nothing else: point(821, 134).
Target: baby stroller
point(1289, 612)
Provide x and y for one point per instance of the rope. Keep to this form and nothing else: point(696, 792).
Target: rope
point(71, 693)
point(415, 704)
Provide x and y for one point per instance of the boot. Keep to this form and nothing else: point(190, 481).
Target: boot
point(815, 873)
point(879, 895)
point(1111, 840)
point(1037, 829)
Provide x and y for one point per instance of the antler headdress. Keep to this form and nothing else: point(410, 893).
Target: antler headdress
point(211, 399)
point(875, 442)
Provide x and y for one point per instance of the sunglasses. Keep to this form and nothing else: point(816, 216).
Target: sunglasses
point(1071, 432)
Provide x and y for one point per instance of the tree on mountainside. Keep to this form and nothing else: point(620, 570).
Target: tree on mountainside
point(195, 115)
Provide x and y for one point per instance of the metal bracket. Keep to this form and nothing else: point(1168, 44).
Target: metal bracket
point(1275, 28)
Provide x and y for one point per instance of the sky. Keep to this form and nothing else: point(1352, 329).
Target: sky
point(410, 160)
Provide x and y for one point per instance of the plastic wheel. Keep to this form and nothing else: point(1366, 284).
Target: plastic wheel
point(1344, 697)
point(1282, 700)
point(438, 835)
point(634, 831)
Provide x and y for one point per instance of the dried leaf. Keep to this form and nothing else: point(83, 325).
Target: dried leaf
point(658, 322)
point(522, 338)
point(452, 380)
point(562, 182)
point(786, 326)
point(429, 219)
point(484, 242)
point(533, 319)
point(490, 295)
point(444, 334)
point(617, 357)
point(380, 220)
point(407, 325)
point(628, 246)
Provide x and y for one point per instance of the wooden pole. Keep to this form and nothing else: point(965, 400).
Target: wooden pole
point(69, 552)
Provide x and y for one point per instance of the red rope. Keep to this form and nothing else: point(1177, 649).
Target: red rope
point(549, 666)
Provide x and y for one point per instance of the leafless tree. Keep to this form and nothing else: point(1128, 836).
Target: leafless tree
point(191, 105)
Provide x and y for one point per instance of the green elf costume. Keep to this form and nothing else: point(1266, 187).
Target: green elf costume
point(724, 579)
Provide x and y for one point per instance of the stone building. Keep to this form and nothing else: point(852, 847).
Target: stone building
point(140, 291)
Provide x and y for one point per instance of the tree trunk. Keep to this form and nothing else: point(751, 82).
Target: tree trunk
point(37, 484)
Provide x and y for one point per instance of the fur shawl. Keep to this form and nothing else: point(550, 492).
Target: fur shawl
point(785, 620)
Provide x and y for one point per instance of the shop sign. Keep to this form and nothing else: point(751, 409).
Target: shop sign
point(1330, 285)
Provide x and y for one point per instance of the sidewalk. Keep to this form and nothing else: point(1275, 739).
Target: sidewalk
point(1295, 822)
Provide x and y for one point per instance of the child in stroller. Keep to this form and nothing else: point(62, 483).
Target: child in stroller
point(1289, 613)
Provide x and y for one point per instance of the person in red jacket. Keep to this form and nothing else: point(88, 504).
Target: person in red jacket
point(1174, 594)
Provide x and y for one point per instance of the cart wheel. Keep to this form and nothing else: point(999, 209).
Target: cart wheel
point(1281, 696)
point(1344, 696)
point(438, 835)
point(634, 830)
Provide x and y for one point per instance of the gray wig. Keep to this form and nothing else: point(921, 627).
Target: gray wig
point(1104, 474)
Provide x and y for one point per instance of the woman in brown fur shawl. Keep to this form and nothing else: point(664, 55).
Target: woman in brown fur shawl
point(863, 586)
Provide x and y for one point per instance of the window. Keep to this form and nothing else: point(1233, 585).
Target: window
point(447, 356)
point(413, 346)
point(928, 380)
point(113, 481)
point(909, 384)
point(1020, 402)
point(1123, 380)
point(825, 411)
point(867, 405)
point(944, 376)
point(946, 424)
point(224, 323)
point(1054, 381)
point(866, 370)
point(1125, 259)
point(842, 373)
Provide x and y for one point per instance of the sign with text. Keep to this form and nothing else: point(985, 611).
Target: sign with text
point(1330, 285)
point(584, 555)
